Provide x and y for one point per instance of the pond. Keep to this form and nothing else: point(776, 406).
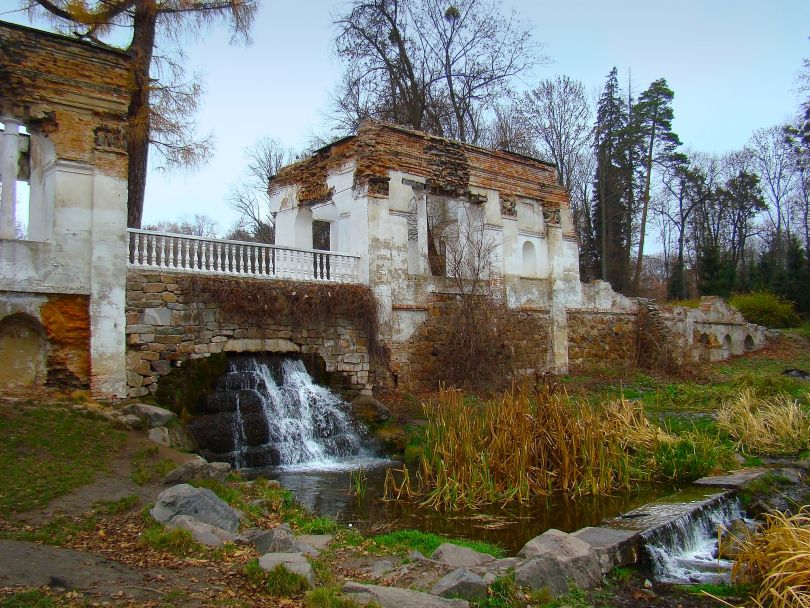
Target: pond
point(327, 492)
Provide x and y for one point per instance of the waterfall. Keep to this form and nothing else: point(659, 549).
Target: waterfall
point(684, 550)
point(278, 416)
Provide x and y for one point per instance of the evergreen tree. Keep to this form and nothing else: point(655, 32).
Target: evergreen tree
point(652, 129)
point(612, 185)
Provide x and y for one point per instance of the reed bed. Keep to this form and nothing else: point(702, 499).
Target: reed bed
point(778, 562)
point(526, 443)
point(772, 425)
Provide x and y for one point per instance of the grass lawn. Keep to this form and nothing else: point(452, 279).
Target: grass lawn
point(49, 451)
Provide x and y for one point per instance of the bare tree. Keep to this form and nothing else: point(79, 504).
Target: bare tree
point(427, 65)
point(197, 225)
point(250, 198)
point(159, 111)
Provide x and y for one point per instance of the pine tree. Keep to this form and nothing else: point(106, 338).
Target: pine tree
point(612, 185)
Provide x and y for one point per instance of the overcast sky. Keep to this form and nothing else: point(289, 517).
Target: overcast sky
point(731, 63)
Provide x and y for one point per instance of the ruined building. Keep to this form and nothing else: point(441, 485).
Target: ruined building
point(87, 303)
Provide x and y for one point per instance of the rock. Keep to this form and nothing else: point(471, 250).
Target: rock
point(461, 583)
point(789, 475)
point(181, 439)
point(307, 549)
point(278, 540)
point(200, 503)
point(797, 373)
point(381, 567)
point(160, 435)
point(416, 555)
point(294, 562)
point(392, 438)
point(154, 415)
point(318, 541)
point(369, 410)
point(574, 556)
point(489, 571)
point(613, 547)
point(394, 597)
point(735, 480)
point(731, 539)
point(203, 533)
point(132, 421)
point(459, 557)
point(543, 572)
point(198, 468)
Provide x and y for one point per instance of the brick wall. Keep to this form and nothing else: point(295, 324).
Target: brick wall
point(165, 329)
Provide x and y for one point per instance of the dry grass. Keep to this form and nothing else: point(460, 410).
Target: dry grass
point(525, 444)
point(778, 561)
point(774, 425)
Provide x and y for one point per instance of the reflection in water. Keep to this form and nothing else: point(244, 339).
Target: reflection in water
point(327, 493)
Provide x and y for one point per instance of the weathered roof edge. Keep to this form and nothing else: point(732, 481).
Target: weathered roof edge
point(87, 43)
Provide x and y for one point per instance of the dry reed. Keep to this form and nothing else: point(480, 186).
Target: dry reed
point(778, 562)
point(775, 425)
point(522, 445)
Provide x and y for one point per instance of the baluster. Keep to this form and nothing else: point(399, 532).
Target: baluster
point(253, 262)
point(152, 251)
point(261, 251)
point(195, 246)
point(136, 240)
point(204, 255)
point(182, 246)
point(171, 259)
point(228, 258)
point(240, 258)
point(283, 263)
point(129, 238)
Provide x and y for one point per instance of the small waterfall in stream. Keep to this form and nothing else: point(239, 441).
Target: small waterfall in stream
point(275, 415)
point(685, 551)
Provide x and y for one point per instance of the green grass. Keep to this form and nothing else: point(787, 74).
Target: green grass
point(113, 507)
point(48, 452)
point(717, 589)
point(28, 599)
point(175, 541)
point(278, 582)
point(148, 468)
point(426, 543)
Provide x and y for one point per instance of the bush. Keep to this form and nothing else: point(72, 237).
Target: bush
point(278, 582)
point(766, 309)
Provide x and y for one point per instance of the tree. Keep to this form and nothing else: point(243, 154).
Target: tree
point(652, 121)
point(250, 198)
point(427, 65)
point(158, 113)
point(612, 185)
point(198, 225)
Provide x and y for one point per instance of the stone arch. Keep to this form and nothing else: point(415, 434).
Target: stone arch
point(529, 260)
point(23, 352)
point(749, 345)
point(727, 346)
point(703, 347)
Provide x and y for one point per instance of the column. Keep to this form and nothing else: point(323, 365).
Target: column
point(9, 159)
point(421, 234)
point(559, 312)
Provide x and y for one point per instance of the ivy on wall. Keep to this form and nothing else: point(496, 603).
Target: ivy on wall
point(302, 304)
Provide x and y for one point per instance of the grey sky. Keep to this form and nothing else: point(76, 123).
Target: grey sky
point(731, 63)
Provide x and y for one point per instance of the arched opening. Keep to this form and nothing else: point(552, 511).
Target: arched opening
point(748, 345)
point(23, 352)
point(529, 260)
point(703, 347)
point(727, 346)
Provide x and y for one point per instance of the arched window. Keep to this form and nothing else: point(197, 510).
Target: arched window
point(529, 260)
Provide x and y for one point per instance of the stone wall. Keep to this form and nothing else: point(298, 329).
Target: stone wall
point(414, 362)
point(167, 325)
point(601, 339)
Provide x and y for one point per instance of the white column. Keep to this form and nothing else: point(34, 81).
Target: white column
point(421, 234)
point(559, 313)
point(9, 159)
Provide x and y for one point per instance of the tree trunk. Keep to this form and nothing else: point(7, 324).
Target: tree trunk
point(645, 205)
point(140, 56)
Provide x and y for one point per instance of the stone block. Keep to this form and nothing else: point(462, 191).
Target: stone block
point(157, 316)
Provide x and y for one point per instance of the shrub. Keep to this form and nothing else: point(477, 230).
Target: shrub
point(766, 309)
point(278, 582)
point(778, 561)
point(175, 541)
point(774, 425)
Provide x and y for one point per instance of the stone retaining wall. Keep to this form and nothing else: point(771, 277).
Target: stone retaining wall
point(165, 328)
point(601, 338)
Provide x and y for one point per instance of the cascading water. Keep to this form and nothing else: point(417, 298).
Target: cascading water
point(278, 416)
point(685, 551)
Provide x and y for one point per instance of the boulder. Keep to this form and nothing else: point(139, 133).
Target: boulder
point(613, 547)
point(132, 421)
point(294, 562)
point(160, 435)
point(318, 541)
point(574, 556)
point(154, 415)
point(489, 571)
point(203, 533)
point(199, 503)
point(394, 597)
point(278, 540)
point(542, 572)
point(198, 468)
point(392, 438)
point(732, 538)
point(461, 583)
point(459, 557)
point(381, 567)
point(370, 410)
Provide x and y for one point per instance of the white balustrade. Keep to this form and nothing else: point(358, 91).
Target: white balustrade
point(192, 254)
